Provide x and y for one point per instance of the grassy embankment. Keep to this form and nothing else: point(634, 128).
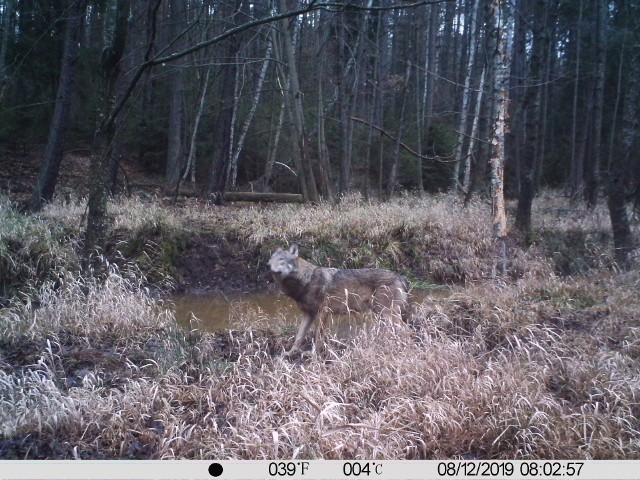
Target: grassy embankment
point(544, 364)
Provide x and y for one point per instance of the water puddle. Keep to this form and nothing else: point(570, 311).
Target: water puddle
point(215, 312)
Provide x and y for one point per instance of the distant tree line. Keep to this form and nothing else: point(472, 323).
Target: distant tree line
point(326, 97)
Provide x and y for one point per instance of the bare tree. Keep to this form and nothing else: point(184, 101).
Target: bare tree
point(295, 97)
point(190, 169)
point(497, 35)
point(252, 111)
point(466, 94)
point(531, 103)
point(475, 128)
point(219, 170)
point(101, 157)
point(97, 224)
point(577, 159)
point(7, 13)
point(593, 167)
point(176, 133)
point(619, 164)
point(514, 137)
point(396, 152)
point(48, 176)
point(324, 163)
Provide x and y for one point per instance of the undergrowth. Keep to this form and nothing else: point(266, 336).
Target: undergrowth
point(539, 365)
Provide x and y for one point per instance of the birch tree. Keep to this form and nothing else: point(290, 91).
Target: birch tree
point(190, 169)
point(219, 168)
point(466, 94)
point(252, 111)
point(497, 36)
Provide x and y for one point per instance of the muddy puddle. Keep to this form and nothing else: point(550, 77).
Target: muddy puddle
point(214, 312)
point(217, 311)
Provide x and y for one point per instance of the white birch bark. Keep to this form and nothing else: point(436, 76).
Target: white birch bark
point(474, 134)
point(191, 160)
point(500, 75)
point(462, 126)
point(254, 106)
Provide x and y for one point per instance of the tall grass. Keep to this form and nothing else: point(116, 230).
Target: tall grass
point(541, 365)
point(30, 249)
point(499, 386)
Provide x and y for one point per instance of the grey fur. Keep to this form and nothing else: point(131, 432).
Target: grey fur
point(320, 291)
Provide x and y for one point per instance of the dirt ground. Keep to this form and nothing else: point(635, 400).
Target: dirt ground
point(208, 264)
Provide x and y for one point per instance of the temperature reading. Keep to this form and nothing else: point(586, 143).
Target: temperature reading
point(287, 469)
point(357, 469)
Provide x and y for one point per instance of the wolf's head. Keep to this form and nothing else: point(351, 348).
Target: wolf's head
point(284, 262)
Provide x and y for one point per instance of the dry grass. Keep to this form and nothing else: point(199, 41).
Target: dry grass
point(30, 248)
point(537, 366)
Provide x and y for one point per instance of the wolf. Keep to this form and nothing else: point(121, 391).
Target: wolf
point(321, 291)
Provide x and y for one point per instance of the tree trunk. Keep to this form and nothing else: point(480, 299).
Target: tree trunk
point(448, 63)
point(287, 109)
point(593, 170)
point(190, 169)
point(263, 197)
point(620, 166)
point(497, 48)
point(623, 241)
point(97, 222)
point(273, 152)
point(254, 106)
point(219, 171)
point(513, 138)
point(176, 133)
point(466, 93)
point(48, 176)
point(546, 91)
point(393, 174)
point(6, 28)
point(532, 105)
point(297, 112)
point(323, 150)
point(431, 69)
point(419, 39)
point(466, 174)
point(577, 166)
point(342, 88)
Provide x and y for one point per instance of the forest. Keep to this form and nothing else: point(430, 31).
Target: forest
point(324, 98)
point(486, 150)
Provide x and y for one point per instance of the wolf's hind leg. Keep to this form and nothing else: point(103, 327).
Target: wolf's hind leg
point(320, 327)
point(390, 301)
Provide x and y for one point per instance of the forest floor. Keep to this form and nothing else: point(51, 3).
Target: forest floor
point(541, 363)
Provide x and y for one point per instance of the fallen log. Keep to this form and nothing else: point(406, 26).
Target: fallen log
point(262, 197)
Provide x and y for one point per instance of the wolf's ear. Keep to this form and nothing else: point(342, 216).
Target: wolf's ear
point(293, 250)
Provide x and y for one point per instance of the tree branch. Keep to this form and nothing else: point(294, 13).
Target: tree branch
point(313, 5)
point(407, 148)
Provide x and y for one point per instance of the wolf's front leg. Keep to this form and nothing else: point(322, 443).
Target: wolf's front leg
point(302, 331)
